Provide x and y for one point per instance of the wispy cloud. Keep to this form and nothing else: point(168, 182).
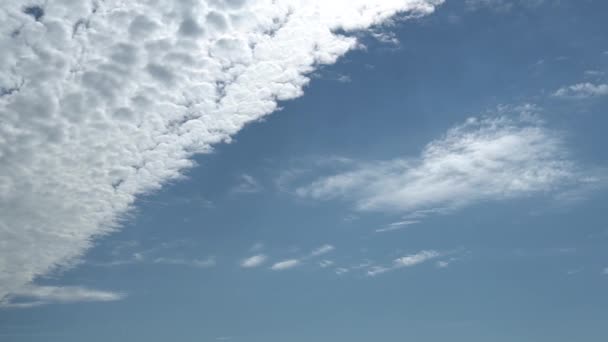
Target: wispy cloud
point(325, 263)
point(254, 261)
point(406, 261)
point(32, 295)
point(396, 226)
point(199, 263)
point(492, 158)
point(322, 250)
point(285, 264)
point(247, 185)
point(582, 91)
point(502, 5)
point(317, 252)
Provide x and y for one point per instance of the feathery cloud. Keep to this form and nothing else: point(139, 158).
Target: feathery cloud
point(483, 159)
point(406, 261)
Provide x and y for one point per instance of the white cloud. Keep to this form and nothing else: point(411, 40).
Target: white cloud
point(605, 271)
point(322, 250)
point(341, 270)
point(582, 91)
point(406, 261)
point(396, 226)
point(31, 295)
point(103, 101)
point(480, 160)
point(254, 261)
point(325, 263)
point(290, 263)
point(200, 263)
point(285, 264)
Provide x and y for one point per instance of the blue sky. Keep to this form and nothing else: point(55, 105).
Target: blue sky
point(445, 179)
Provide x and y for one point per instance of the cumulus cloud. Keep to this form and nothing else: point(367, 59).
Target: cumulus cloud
point(254, 261)
point(483, 159)
point(104, 100)
point(31, 295)
point(406, 261)
point(582, 91)
point(285, 265)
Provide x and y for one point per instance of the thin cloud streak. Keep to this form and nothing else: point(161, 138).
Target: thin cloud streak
point(285, 265)
point(254, 261)
point(31, 296)
point(406, 261)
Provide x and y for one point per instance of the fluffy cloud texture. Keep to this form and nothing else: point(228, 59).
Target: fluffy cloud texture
point(103, 100)
point(483, 159)
point(582, 91)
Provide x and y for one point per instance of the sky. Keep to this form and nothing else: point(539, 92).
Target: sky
point(271, 171)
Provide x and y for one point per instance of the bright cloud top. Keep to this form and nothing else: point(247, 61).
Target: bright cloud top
point(104, 100)
point(482, 159)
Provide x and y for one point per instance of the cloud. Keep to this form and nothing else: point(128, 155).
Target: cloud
point(199, 263)
point(325, 263)
point(396, 226)
point(406, 261)
point(285, 264)
point(254, 261)
point(493, 158)
point(582, 91)
point(501, 5)
point(247, 184)
point(443, 264)
point(322, 250)
point(31, 295)
point(102, 101)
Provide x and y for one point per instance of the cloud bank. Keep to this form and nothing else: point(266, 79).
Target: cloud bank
point(101, 101)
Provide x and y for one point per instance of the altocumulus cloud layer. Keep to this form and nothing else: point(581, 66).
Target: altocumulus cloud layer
point(103, 100)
